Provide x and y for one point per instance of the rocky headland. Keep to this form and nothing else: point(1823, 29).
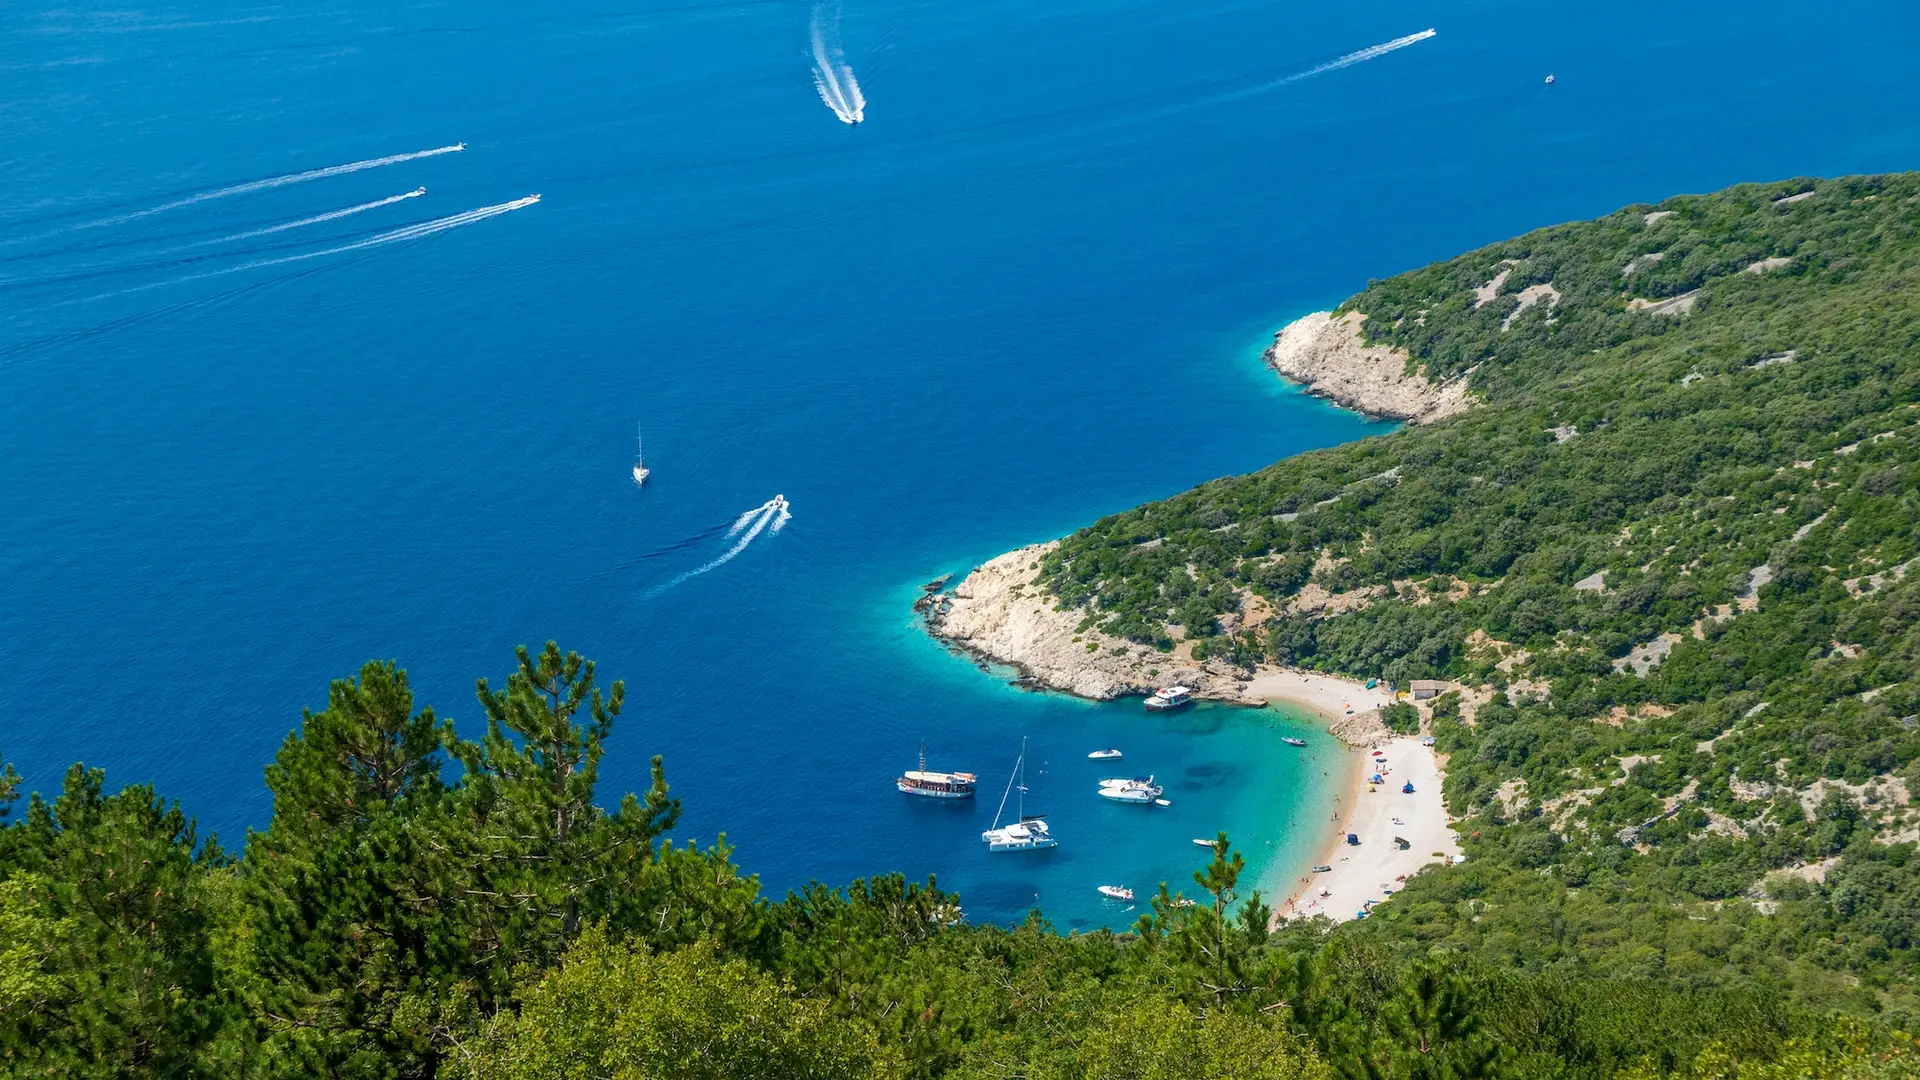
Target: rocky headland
point(1331, 358)
point(1003, 614)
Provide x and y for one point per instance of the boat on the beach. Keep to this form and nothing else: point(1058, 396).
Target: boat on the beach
point(640, 470)
point(1028, 832)
point(936, 785)
point(1116, 892)
point(1137, 789)
point(1291, 741)
point(1323, 869)
point(1170, 697)
point(1108, 754)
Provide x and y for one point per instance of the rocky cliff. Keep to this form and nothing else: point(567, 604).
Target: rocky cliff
point(1001, 613)
point(1333, 359)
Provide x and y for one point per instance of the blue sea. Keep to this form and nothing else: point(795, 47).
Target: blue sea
point(247, 450)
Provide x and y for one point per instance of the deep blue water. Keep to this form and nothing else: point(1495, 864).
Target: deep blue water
point(1031, 289)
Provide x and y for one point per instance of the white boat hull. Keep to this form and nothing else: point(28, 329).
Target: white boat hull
point(928, 793)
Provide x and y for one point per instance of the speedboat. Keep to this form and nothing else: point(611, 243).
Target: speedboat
point(1291, 741)
point(421, 190)
point(1197, 842)
point(1108, 754)
point(1170, 697)
point(459, 146)
point(1138, 789)
point(1116, 892)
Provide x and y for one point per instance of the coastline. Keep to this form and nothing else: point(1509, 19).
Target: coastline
point(1002, 613)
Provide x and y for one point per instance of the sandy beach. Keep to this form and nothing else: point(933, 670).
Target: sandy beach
point(1368, 873)
point(1343, 703)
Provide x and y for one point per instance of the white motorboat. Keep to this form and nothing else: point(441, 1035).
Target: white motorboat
point(1108, 754)
point(1116, 892)
point(1170, 697)
point(1138, 789)
point(936, 785)
point(1197, 842)
point(1028, 832)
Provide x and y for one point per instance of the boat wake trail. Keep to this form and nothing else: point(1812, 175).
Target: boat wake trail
point(1369, 53)
point(316, 219)
point(274, 182)
point(773, 512)
point(832, 76)
point(391, 236)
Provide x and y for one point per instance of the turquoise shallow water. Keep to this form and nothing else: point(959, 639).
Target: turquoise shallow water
point(1030, 289)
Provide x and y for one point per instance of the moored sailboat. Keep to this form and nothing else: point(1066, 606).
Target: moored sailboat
point(1029, 831)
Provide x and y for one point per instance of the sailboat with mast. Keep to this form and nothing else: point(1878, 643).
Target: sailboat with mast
point(640, 470)
point(1028, 832)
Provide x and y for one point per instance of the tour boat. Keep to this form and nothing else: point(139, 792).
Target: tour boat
point(1116, 892)
point(1138, 789)
point(936, 785)
point(1170, 697)
point(640, 470)
point(1028, 832)
point(1291, 741)
point(1108, 754)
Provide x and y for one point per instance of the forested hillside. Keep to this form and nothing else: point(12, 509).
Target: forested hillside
point(423, 905)
point(1669, 559)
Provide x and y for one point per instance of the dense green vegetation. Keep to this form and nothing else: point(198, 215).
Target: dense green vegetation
point(422, 905)
point(1739, 482)
point(1692, 866)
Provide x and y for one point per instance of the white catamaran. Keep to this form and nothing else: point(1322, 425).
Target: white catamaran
point(1029, 831)
point(640, 470)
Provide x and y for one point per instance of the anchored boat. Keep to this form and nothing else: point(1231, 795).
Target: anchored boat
point(1108, 754)
point(1138, 789)
point(1116, 892)
point(936, 785)
point(1029, 831)
point(1170, 697)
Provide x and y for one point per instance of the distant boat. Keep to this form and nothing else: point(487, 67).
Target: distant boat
point(1291, 741)
point(640, 470)
point(1138, 789)
point(1029, 831)
point(936, 785)
point(1105, 755)
point(1197, 842)
point(1116, 892)
point(1549, 80)
point(1170, 697)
